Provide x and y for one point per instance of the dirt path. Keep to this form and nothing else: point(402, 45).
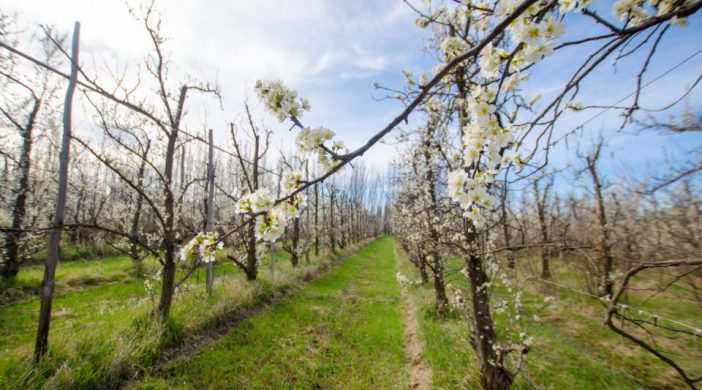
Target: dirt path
point(420, 372)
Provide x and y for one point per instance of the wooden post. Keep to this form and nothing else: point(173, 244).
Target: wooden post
point(47, 291)
point(307, 228)
point(271, 267)
point(210, 210)
point(324, 220)
point(332, 236)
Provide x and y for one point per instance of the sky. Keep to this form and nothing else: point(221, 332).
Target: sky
point(331, 52)
point(628, 153)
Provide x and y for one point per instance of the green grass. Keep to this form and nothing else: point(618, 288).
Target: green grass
point(572, 348)
point(343, 330)
point(70, 276)
point(677, 302)
point(70, 252)
point(90, 294)
point(102, 332)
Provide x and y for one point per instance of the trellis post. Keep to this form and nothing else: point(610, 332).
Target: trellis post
point(52, 259)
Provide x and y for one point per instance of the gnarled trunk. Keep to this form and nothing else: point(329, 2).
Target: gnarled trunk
point(251, 269)
point(483, 337)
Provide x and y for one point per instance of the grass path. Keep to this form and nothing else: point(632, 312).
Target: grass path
point(343, 330)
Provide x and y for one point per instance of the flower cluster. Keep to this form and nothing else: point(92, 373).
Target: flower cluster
point(456, 297)
point(485, 141)
point(149, 287)
point(490, 60)
point(312, 141)
point(484, 146)
point(308, 140)
point(202, 245)
point(281, 101)
point(631, 10)
point(285, 104)
point(271, 225)
point(257, 201)
point(537, 38)
point(290, 181)
point(402, 279)
point(634, 12)
point(453, 47)
point(150, 281)
point(534, 33)
point(514, 314)
point(271, 222)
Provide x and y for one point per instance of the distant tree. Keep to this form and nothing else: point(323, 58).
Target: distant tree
point(28, 103)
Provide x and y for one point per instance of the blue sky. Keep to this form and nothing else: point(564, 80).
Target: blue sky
point(629, 152)
point(332, 51)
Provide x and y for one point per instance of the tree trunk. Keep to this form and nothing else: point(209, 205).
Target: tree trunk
point(545, 264)
point(437, 265)
point(11, 262)
point(294, 255)
point(137, 258)
point(316, 220)
point(209, 223)
point(307, 217)
point(505, 230)
point(442, 306)
point(169, 230)
point(344, 228)
point(541, 213)
point(607, 285)
point(483, 337)
point(251, 259)
point(251, 269)
point(168, 285)
point(420, 263)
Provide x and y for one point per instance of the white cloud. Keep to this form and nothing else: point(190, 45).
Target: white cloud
point(320, 47)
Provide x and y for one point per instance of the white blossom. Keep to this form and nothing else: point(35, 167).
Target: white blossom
point(202, 245)
point(281, 101)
